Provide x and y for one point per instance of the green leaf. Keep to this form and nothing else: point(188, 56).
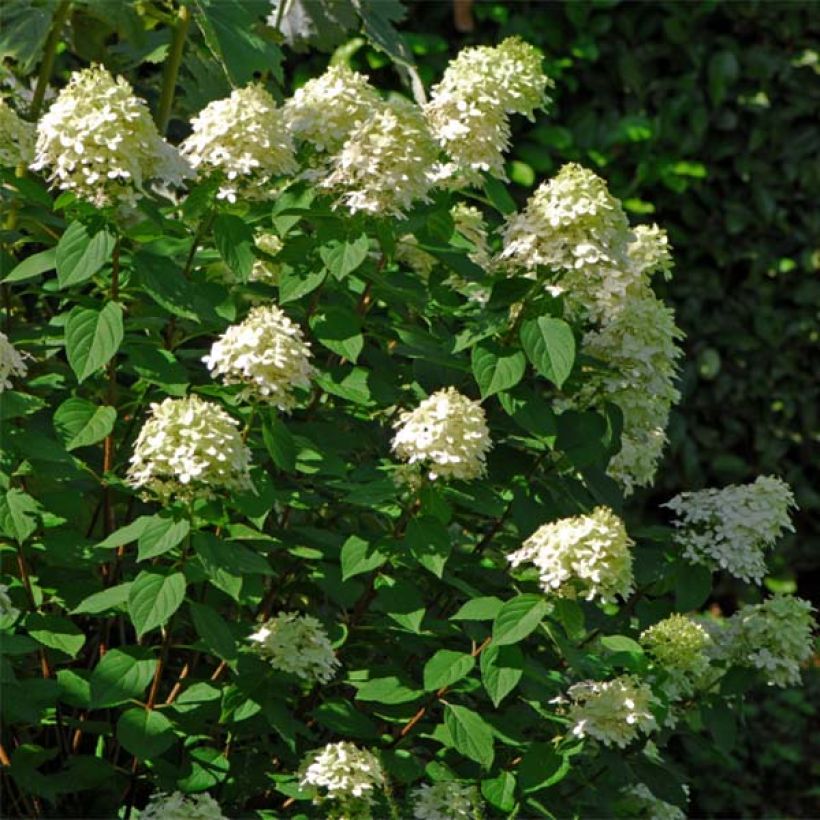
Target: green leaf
point(279, 443)
point(429, 543)
point(104, 600)
point(621, 643)
point(234, 241)
point(293, 286)
point(496, 368)
point(17, 510)
point(80, 423)
point(541, 767)
point(163, 281)
point(128, 533)
point(339, 330)
point(501, 669)
point(471, 734)
point(571, 616)
point(211, 627)
point(445, 668)
point(581, 437)
point(145, 733)
point(357, 557)
point(79, 256)
point(500, 791)
point(388, 690)
point(32, 266)
point(498, 195)
point(342, 717)
point(92, 337)
point(55, 632)
point(722, 71)
point(479, 609)
point(518, 618)
point(550, 345)
point(161, 533)
point(342, 257)
point(121, 674)
point(693, 585)
point(154, 598)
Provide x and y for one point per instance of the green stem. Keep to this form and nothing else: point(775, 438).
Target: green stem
point(172, 64)
point(49, 52)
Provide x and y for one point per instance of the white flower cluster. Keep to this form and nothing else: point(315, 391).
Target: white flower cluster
point(774, 637)
point(587, 555)
point(189, 447)
point(680, 647)
point(446, 800)
point(267, 354)
point(12, 363)
point(297, 644)
point(613, 712)
point(243, 137)
point(16, 138)
point(651, 807)
point(179, 806)
point(732, 528)
point(469, 109)
point(343, 772)
point(7, 608)
point(383, 167)
point(99, 141)
point(264, 270)
point(447, 431)
point(325, 110)
point(469, 222)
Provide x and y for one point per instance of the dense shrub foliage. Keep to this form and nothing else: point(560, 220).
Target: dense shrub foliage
point(315, 447)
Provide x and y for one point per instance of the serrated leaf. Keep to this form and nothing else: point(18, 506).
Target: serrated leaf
point(470, 733)
point(479, 609)
point(104, 600)
point(357, 557)
point(55, 632)
point(550, 345)
point(541, 767)
point(17, 511)
point(445, 668)
point(233, 238)
point(213, 630)
point(120, 675)
point(79, 256)
point(693, 584)
point(500, 791)
point(161, 533)
point(339, 330)
point(293, 285)
point(153, 599)
point(163, 281)
point(145, 733)
point(429, 542)
point(496, 368)
point(389, 690)
point(342, 257)
point(501, 670)
point(621, 643)
point(279, 443)
point(33, 266)
point(127, 534)
point(80, 423)
point(92, 337)
point(518, 618)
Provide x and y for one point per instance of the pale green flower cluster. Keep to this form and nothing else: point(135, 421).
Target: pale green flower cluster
point(586, 555)
point(99, 141)
point(651, 807)
point(264, 270)
point(448, 432)
point(179, 806)
point(327, 109)
point(297, 644)
point(383, 167)
point(680, 647)
point(774, 637)
point(245, 139)
point(16, 138)
point(446, 800)
point(266, 354)
point(613, 712)
point(189, 448)
point(341, 771)
point(12, 363)
point(469, 109)
point(731, 528)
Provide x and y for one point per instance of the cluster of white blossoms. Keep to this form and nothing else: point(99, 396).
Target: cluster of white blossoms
point(297, 644)
point(469, 109)
point(179, 806)
point(448, 432)
point(243, 137)
point(383, 167)
point(16, 138)
point(99, 141)
point(651, 807)
point(680, 646)
point(446, 800)
point(586, 555)
point(325, 110)
point(12, 363)
point(774, 637)
point(342, 771)
point(189, 447)
point(613, 712)
point(731, 528)
point(264, 270)
point(267, 354)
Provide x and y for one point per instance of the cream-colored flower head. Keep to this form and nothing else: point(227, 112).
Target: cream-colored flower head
point(179, 806)
point(297, 644)
point(16, 138)
point(325, 110)
point(267, 354)
point(774, 637)
point(448, 433)
point(342, 771)
point(469, 109)
point(446, 800)
point(264, 270)
point(244, 138)
point(614, 712)
point(189, 448)
point(99, 141)
point(12, 363)
point(680, 647)
point(651, 807)
point(587, 555)
point(383, 168)
point(732, 528)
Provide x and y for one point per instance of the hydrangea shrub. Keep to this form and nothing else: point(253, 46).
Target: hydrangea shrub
point(315, 469)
